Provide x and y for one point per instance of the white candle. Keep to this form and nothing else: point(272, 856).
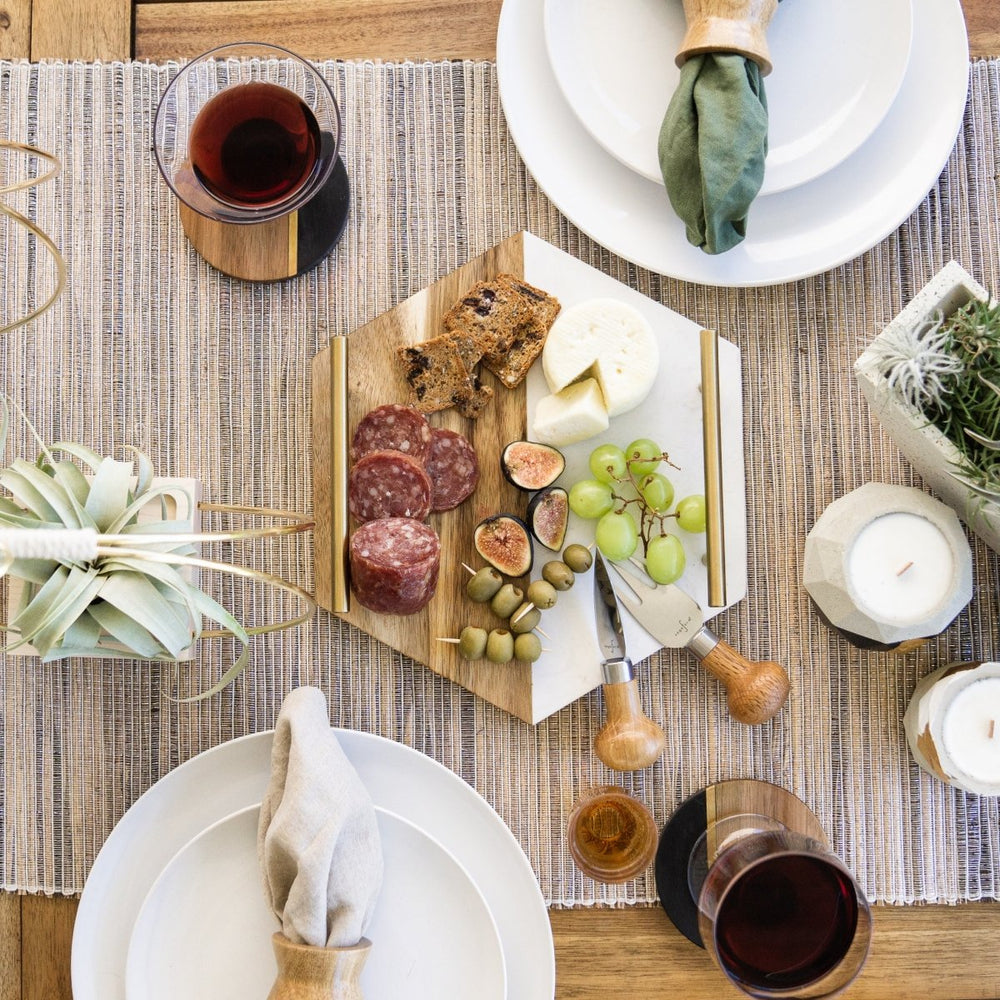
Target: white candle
point(970, 730)
point(901, 568)
point(888, 565)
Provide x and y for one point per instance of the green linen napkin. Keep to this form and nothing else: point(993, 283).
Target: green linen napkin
point(712, 146)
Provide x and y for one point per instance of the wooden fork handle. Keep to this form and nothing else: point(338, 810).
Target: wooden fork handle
point(728, 26)
point(756, 689)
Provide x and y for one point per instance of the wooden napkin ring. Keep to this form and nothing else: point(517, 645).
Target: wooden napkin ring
point(306, 972)
point(728, 26)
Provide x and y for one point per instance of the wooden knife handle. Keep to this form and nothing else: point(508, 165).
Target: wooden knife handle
point(629, 740)
point(310, 973)
point(756, 689)
point(728, 26)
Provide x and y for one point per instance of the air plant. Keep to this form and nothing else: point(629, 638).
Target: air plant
point(948, 370)
point(103, 554)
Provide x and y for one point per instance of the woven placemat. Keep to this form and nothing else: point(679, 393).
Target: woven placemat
point(149, 346)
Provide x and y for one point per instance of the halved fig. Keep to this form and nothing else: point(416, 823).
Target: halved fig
point(530, 465)
point(548, 515)
point(504, 542)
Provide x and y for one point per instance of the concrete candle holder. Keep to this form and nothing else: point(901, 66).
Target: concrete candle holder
point(952, 726)
point(925, 447)
point(888, 565)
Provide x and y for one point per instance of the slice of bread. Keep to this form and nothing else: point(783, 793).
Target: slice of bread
point(441, 373)
point(508, 319)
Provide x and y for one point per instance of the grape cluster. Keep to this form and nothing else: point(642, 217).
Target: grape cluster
point(628, 478)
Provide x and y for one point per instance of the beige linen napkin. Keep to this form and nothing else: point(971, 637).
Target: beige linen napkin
point(317, 842)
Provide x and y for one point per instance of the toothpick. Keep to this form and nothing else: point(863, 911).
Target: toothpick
point(541, 633)
point(992, 733)
point(466, 566)
point(441, 638)
point(518, 615)
point(904, 569)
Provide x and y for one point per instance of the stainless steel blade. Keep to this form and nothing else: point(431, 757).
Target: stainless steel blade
point(610, 636)
point(666, 612)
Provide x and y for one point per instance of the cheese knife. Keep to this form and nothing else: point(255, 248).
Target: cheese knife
point(756, 690)
point(629, 740)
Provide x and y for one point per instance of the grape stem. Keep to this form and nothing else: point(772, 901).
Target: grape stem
point(648, 518)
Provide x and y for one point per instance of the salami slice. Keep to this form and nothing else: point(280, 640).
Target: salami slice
point(392, 427)
point(388, 484)
point(453, 467)
point(394, 565)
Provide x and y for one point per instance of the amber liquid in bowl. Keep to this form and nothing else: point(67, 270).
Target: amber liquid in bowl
point(254, 144)
point(612, 836)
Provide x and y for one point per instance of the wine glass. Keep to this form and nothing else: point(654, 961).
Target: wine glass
point(612, 836)
point(247, 133)
point(777, 911)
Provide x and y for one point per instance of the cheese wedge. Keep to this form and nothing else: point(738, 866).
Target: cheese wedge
point(574, 414)
point(606, 340)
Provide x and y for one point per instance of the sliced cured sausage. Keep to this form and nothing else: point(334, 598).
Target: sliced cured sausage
point(392, 427)
point(388, 484)
point(453, 467)
point(394, 565)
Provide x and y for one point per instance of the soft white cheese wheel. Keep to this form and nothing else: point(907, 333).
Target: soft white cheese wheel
point(609, 341)
point(574, 414)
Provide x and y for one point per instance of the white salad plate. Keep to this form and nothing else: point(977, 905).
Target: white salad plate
point(793, 234)
point(837, 69)
point(204, 930)
point(234, 775)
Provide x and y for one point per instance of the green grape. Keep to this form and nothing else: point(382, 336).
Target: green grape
point(607, 463)
point(616, 535)
point(691, 513)
point(665, 558)
point(657, 491)
point(643, 456)
point(590, 499)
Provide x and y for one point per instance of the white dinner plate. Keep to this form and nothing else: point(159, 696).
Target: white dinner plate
point(791, 235)
point(837, 69)
point(204, 930)
point(234, 775)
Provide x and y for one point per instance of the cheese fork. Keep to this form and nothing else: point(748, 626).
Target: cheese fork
point(755, 690)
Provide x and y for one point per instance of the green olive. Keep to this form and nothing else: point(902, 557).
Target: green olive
point(524, 619)
point(483, 585)
point(506, 600)
point(472, 642)
point(500, 646)
point(558, 574)
point(578, 558)
point(542, 594)
point(527, 647)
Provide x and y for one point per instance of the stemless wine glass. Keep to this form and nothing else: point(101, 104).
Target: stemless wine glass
point(612, 836)
point(246, 133)
point(778, 912)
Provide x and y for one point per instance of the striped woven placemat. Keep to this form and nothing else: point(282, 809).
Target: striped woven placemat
point(150, 346)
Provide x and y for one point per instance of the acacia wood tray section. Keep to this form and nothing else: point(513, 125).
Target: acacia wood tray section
point(373, 378)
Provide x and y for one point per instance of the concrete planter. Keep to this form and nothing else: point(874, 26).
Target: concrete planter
point(924, 446)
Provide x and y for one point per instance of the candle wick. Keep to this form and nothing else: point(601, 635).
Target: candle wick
point(905, 568)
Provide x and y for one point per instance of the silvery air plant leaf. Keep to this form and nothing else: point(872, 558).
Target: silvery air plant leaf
point(918, 364)
point(130, 597)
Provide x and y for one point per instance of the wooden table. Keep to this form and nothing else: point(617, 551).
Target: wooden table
point(928, 952)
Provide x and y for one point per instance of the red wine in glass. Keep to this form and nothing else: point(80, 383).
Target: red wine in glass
point(254, 144)
point(786, 921)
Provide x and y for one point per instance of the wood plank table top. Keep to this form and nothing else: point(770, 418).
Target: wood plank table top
point(927, 952)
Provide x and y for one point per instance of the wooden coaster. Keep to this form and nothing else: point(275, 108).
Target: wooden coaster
point(692, 819)
point(278, 249)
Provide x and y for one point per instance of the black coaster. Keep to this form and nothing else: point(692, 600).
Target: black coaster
point(322, 219)
point(677, 840)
